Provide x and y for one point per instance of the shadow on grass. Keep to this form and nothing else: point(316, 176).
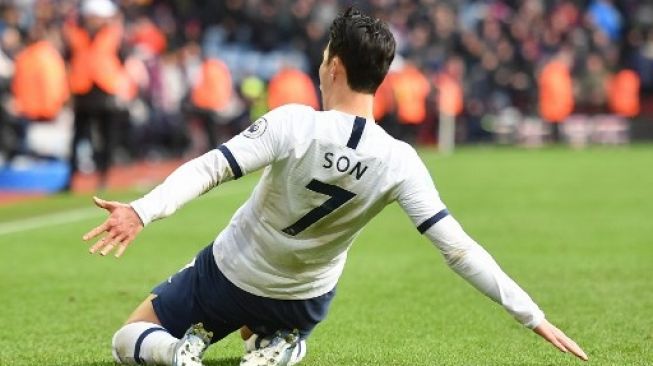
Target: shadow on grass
point(230, 361)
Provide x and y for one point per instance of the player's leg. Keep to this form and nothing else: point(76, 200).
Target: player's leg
point(80, 132)
point(142, 339)
point(163, 328)
point(104, 144)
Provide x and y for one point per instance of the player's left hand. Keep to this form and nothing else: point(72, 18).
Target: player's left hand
point(121, 227)
point(559, 339)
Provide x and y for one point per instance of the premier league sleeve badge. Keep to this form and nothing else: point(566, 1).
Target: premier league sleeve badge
point(256, 129)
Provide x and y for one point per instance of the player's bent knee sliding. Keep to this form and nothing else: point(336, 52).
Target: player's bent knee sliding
point(143, 343)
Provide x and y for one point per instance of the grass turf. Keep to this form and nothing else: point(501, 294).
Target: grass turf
point(572, 227)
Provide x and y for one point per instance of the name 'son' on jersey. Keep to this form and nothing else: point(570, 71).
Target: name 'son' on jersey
point(344, 164)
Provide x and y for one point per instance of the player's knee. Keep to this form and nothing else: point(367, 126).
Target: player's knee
point(119, 346)
point(123, 344)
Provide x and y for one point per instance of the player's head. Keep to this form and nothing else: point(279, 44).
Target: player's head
point(361, 46)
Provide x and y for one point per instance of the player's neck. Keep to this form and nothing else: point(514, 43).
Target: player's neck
point(350, 102)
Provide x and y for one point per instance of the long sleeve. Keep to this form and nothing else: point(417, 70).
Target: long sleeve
point(420, 200)
point(475, 265)
point(187, 182)
point(256, 147)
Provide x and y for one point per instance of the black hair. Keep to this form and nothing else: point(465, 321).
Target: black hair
point(366, 47)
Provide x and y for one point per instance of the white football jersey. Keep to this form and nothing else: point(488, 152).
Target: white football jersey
point(326, 175)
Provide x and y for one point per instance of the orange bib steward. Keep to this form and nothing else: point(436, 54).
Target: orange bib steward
point(556, 92)
point(95, 61)
point(411, 88)
point(214, 87)
point(623, 93)
point(292, 86)
point(450, 96)
point(384, 102)
point(39, 86)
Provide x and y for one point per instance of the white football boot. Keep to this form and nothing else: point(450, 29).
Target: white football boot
point(190, 348)
point(276, 350)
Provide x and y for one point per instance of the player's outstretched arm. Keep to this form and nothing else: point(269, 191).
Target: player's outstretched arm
point(419, 199)
point(559, 339)
point(121, 227)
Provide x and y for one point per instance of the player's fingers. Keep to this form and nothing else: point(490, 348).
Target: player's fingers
point(99, 202)
point(107, 248)
point(114, 238)
point(97, 246)
point(121, 241)
point(572, 346)
point(121, 249)
point(577, 351)
point(553, 339)
point(101, 243)
point(107, 205)
point(96, 231)
point(559, 345)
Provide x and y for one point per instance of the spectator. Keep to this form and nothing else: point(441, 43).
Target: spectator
point(39, 85)
point(98, 81)
point(211, 93)
point(12, 130)
point(291, 85)
point(501, 45)
point(623, 93)
point(556, 92)
point(411, 88)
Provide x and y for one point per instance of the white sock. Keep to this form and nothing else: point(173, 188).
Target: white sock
point(143, 343)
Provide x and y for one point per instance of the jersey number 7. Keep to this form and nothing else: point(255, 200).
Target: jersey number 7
point(339, 196)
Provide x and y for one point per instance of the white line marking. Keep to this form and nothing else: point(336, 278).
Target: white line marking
point(57, 218)
point(80, 214)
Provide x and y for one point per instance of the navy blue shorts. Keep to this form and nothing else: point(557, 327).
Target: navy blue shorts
point(201, 293)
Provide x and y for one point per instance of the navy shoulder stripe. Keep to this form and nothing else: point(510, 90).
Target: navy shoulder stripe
point(356, 133)
point(432, 221)
point(235, 168)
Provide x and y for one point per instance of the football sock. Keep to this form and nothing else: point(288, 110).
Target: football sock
point(143, 343)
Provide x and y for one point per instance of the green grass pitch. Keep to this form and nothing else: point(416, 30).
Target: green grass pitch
point(574, 228)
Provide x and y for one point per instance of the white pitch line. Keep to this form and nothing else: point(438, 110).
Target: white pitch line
point(80, 214)
point(53, 219)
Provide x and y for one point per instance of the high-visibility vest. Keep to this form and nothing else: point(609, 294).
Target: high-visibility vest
point(95, 61)
point(39, 85)
point(384, 101)
point(623, 93)
point(292, 86)
point(214, 87)
point(556, 92)
point(148, 35)
point(450, 95)
point(411, 88)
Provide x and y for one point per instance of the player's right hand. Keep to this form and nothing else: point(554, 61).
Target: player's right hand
point(559, 339)
point(121, 227)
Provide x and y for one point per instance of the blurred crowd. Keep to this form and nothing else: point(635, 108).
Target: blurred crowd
point(134, 79)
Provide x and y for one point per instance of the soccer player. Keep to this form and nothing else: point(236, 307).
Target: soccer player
point(272, 272)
